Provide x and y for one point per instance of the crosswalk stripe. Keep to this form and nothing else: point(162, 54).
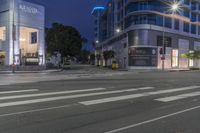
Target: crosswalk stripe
point(178, 97)
point(126, 97)
point(25, 102)
point(50, 93)
point(18, 91)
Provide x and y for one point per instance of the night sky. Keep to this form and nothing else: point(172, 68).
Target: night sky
point(75, 13)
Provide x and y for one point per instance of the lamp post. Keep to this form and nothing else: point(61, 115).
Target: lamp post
point(174, 8)
point(163, 45)
point(13, 37)
point(97, 42)
point(118, 30)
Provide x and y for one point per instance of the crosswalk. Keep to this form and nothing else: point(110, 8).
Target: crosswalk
point(95, 96)
point(126, 97)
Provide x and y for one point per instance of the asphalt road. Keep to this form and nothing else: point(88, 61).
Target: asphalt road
point(158, 102)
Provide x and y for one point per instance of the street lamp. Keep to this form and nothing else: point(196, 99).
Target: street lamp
point(97, 41)
point(174, 8)
point(118, 30)
point(13, 37)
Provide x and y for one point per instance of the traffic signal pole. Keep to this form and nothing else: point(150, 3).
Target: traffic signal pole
point(163, 45)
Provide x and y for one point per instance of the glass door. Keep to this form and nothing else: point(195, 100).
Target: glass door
point(174, 58)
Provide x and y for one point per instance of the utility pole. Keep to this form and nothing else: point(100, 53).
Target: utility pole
point(163, 45)
point(13, 38)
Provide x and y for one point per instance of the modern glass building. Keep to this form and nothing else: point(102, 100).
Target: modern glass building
point(97, 13)
point(21, 33)
point(137, 30)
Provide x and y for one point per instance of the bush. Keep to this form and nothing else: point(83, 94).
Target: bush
point(194, 68)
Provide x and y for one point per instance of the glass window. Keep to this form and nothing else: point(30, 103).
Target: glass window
point(199, 30)
point(159, 20)
point(168, 22)
point(186, 13)
point(194, 17)
point(193, 5)
point(191, 61)
point(186, 27)
point(176, 24)
point(2, 33)
point(193, 29)
point(187, 2)
point(33, 37)
point(174, 58)
point(143, 19)
point(143, 5)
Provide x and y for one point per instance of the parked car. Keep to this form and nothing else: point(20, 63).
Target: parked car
point(66, 64)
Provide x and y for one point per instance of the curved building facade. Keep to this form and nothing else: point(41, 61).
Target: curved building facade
point(139, 30)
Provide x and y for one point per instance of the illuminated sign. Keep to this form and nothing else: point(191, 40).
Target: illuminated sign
point(32, 60)
point(28, 9)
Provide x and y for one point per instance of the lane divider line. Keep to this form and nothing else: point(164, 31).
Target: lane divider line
point(37, 110)
point(119, 130)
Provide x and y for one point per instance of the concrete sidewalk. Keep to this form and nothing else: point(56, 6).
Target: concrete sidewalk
point(43, 71)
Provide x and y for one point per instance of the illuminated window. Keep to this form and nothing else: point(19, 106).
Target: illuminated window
point(174, 58)
point(191, 61)
point(2, 33)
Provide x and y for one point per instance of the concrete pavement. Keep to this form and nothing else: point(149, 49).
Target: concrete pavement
point(77, 72)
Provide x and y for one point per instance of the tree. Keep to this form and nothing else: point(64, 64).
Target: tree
point(84, 56)
point(63, 39)
point(108, 55)
point(92, 58)
point(111, 55)
point(98, 57)
point(84, 40)
point(193, 55)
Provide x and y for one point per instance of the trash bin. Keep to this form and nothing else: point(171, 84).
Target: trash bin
point(115, 65)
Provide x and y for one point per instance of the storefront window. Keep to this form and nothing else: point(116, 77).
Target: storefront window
point(29, 46)
point(174, 58)
point(143, 57)
point(191, 61)
point(2, 33)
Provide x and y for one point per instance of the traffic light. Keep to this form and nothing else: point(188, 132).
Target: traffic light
point(161, 51)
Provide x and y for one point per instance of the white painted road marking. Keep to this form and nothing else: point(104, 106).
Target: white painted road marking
point(37, 110)
point(50, 93)
point(25, 102)
point(126, 97)
point(18, 91)
point(119, 130)
point(178, 97)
